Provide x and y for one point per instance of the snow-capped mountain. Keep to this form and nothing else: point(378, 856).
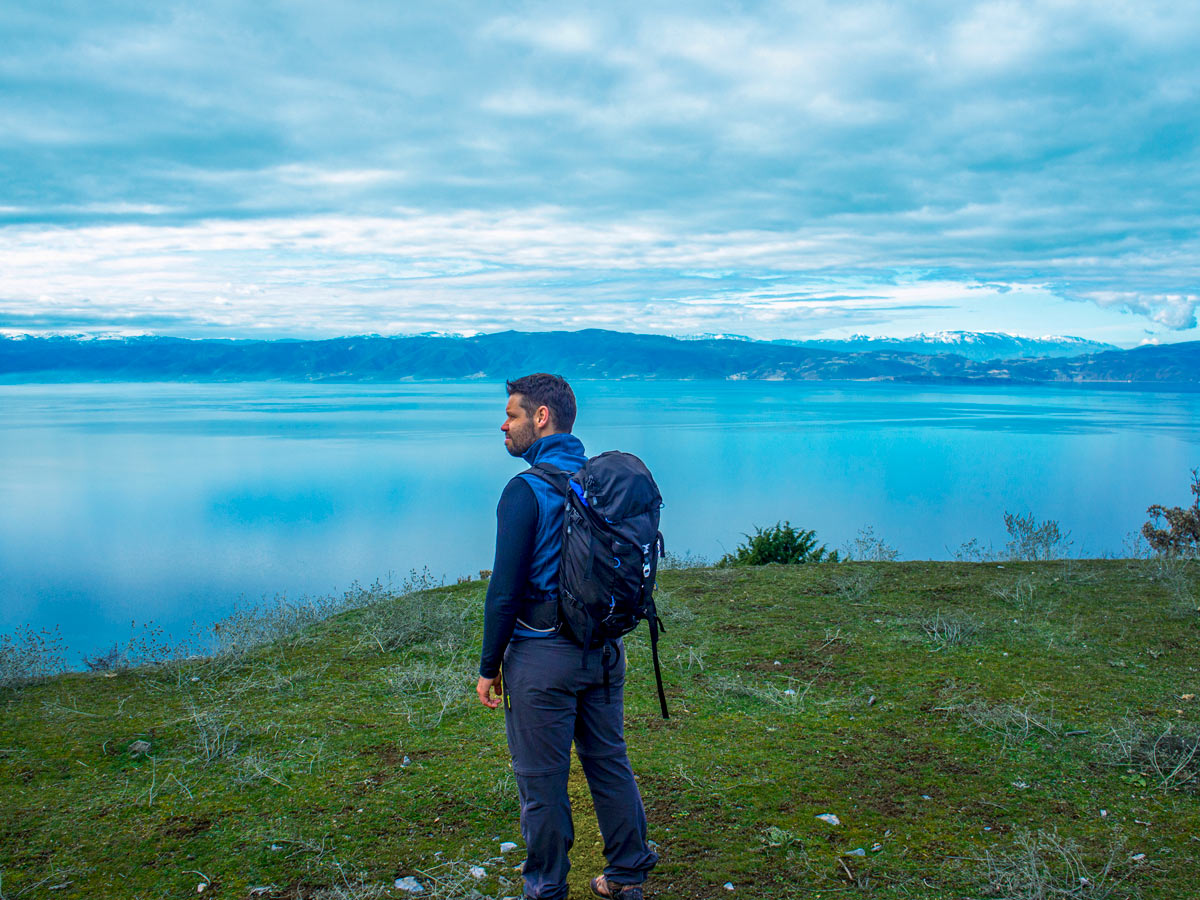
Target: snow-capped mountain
point(980, 346)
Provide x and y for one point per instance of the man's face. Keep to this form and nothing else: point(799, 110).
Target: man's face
point(518, 428)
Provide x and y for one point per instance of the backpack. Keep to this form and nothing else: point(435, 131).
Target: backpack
point(610, 551)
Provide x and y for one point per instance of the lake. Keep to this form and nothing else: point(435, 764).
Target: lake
point(169, 502)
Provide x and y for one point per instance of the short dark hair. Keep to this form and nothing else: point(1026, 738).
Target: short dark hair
point(550, 391)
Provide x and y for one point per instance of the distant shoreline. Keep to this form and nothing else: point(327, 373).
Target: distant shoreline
point(577, 355)
point(74, 378)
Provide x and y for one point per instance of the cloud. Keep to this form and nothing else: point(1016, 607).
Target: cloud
point(1175, 311)
point(489, 154)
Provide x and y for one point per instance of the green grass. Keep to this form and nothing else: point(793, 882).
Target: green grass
point(967, 722)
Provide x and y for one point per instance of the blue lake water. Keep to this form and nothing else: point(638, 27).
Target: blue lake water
point(169, 502)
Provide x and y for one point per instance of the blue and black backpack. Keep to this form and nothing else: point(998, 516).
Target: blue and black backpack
point(610, 551)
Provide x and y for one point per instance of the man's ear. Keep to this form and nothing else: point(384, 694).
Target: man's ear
point(541, 417)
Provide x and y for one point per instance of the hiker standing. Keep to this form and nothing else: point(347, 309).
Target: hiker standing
point(553, 692)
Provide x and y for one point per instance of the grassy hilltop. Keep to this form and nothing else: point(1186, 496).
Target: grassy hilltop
point(1022, 730)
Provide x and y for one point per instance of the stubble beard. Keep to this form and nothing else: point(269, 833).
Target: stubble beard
point(519, 440)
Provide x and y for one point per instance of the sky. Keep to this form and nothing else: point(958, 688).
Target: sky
point(775, 170)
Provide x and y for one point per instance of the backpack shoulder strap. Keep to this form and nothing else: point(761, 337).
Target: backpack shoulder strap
point(551, 474)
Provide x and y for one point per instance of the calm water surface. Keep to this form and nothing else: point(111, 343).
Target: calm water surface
point(168, 502)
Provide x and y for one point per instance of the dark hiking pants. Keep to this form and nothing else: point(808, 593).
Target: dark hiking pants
point(550, 700)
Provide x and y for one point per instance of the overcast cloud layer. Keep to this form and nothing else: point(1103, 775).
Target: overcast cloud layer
point(777, 170)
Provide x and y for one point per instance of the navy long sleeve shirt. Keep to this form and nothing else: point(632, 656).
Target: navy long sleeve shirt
point(516, 527)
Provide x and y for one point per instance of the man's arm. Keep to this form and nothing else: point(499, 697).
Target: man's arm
point(516, 527)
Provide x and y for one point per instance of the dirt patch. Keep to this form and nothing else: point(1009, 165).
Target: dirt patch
point(186, 826)
point(889, 807)
point(678, 871)
point(390, 755)
point(371, 782)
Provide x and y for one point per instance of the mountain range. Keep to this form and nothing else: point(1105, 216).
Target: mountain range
point(575, 354)
point(980, 346)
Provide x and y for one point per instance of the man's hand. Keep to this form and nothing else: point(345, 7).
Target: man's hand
point(487, 686)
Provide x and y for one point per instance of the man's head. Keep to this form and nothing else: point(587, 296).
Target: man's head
point(538, 405)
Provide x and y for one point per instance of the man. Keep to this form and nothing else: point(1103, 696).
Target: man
point(552, 693)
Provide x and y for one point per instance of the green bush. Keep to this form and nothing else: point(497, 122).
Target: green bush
point(779, 544)
point(1181, 537)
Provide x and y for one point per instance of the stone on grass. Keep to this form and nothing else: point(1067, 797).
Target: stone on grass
point(857, 851)
point(729, 885)
point(137, 748)
point(478, 872)
point(830, 818)
point(410, 884)
point(507, 846)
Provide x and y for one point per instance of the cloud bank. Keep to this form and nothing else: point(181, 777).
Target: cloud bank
point(770, 169)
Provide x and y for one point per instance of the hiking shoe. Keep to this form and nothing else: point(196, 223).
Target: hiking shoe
point(612, 890)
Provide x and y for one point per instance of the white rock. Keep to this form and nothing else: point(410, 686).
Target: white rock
point(857, 851)
point(830, 818)
point(478, 872)
point(405, 762)
point(200, 887)
point(507, 847)
point(410, 884)
point(1138, 857)
point(729, 885)
point(789, 693)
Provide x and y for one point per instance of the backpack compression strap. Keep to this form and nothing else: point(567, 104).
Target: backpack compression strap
point(655, 624)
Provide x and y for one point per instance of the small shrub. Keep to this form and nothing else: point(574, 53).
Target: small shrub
point(855, 583)
point(866, 547)
point(1181, 537)
point(973, 551)
point(28, 656)
point(1156, 752)
point(149, 648)
point(780, 544)
point(1022, 593)
point(949, 631)
point(426, 690)
point(779, 837)
point(1172, 572)
point(255, 625)
point(394, 621)
point(686, 560)
point(1013, 722)
point(1033, 540)
point(787, 698)
point(1041, 865)
point(214, 734)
